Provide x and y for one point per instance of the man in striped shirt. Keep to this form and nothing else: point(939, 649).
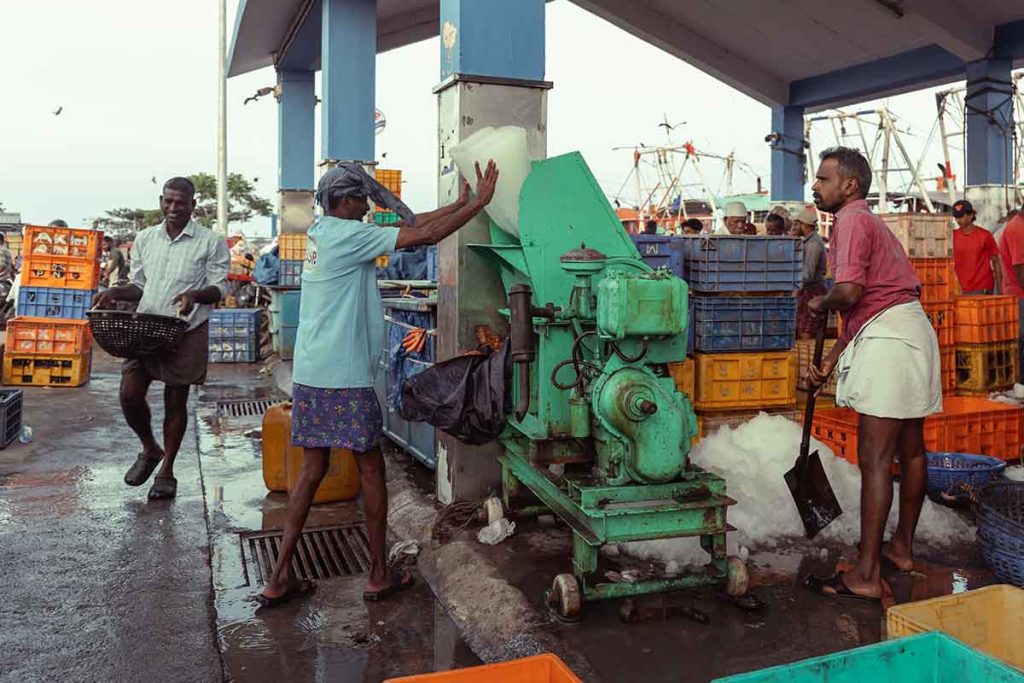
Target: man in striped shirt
point(178, 268)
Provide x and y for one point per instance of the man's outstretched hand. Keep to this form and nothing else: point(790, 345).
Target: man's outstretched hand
point(486, 182)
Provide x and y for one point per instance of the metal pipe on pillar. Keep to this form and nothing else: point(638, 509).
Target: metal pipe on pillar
point(222, 121)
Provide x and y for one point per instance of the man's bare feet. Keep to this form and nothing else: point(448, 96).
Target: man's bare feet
point(864, 587)
point(896, 552)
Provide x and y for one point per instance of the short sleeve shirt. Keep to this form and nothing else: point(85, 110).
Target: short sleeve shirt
point(972, 258)
point(1011, 253)
point(865, 251)
point(341, 319)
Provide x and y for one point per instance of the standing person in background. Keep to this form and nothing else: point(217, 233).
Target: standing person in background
point(651, 228)
point(115, 269)
point(735, 218)
point(975, 254)
point(806, 225)
point(1011, 254)
point(775, 225)
point(693, 226)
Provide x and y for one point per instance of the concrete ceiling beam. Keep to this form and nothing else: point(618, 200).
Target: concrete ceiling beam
point(951, 27)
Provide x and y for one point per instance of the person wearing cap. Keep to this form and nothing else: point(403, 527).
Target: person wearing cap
point(337, 349)
point(693, 226)
point(1011, 254)
point(975, 253)
point(778, 222)
point(736, 218)
point(806, 223)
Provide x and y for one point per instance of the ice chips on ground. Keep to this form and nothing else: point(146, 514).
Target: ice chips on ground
point(1014, 473)
point(753, 458)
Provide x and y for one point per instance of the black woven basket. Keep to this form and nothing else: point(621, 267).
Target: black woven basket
point(127, 334)
point(1001, 506)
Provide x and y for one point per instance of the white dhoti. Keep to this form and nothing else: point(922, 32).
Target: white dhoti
point(892, 367)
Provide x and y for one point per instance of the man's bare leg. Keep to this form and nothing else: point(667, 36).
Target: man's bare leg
point(375, 507)
point(314, 468)
point(877, 443)
point(134, 386)
point(913, 483)
point(175, 424)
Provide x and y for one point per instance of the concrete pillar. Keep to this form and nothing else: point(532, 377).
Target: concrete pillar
point(989, 102)
point(296, 119)
point(492, 66)
point(348, 79)
point(296, 109)
point(788, 161)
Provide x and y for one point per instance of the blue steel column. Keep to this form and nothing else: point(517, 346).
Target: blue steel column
point(296, 120)
point(493, 38)
point(348, 79)
point(788, 154)
point(989, 122)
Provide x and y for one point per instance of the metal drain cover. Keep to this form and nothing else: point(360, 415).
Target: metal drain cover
point(322, 553)
point(243, 408)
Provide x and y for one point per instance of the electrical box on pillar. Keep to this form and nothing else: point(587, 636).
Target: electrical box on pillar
point(592, 329)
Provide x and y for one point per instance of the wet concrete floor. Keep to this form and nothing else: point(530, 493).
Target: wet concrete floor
point(101, 584)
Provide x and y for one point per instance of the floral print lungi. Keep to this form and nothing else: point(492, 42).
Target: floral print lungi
point(336, 418)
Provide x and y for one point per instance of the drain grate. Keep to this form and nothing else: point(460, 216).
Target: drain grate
point(243, 408)
point(322, 553)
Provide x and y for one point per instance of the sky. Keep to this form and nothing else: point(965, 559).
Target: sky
point(138, 85)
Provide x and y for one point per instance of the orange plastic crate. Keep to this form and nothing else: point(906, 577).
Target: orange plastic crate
point(545, 668)
point(938, 279)
point(292, 247)
point(948, 368)
point(985, 319)
point(61, 272)
point(940, 315)
point(966, 425)
point(390, 179)
point(76, 243)
point(48, 336)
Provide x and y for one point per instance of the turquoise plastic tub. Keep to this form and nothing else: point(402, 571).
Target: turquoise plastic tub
point(928, 658)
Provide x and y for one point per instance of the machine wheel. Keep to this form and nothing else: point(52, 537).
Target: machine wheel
point(737, 580)
point(564, 598)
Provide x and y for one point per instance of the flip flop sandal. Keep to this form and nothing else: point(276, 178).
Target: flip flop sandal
point(293, 591)
point(837, 589)
point(163, 488)
point(140, 471)
point(398, 583)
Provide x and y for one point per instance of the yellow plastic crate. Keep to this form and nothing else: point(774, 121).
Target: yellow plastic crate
point(391, 179)
point(989, 619)
point(47, 371)
point(683, 374)
point(291, 247)
point(739, 381)
point(981, 368)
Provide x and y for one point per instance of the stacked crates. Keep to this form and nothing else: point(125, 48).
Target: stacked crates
point(985, 338)
point(939, 287)
point(743, 320)
point(392, 180)
point(291, 250)
point(49, 343)
point(235, 335)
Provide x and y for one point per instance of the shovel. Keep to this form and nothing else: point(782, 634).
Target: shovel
point(813, 495)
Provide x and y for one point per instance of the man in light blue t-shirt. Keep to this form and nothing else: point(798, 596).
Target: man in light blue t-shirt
point(340, 336)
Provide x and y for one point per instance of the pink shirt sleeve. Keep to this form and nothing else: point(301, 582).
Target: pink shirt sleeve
point(852, 256)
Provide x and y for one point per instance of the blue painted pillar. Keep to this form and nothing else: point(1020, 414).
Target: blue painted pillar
point(493, 38)
point(296, 120)
point(788, 154)
point(989, 122)
point(348, 79)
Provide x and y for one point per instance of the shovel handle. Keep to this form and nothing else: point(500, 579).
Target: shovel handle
point(819, 348)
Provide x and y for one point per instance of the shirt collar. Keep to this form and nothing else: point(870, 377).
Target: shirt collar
point(190, 230)
point(856, 205)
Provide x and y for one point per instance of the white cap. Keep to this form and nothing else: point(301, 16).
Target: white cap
point(807, 216)
point(735, 210)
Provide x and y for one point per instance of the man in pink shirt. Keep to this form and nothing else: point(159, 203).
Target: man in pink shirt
point(887, 360)
point(1011, 255)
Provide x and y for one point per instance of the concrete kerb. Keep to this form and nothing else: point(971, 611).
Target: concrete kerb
point(496, 619)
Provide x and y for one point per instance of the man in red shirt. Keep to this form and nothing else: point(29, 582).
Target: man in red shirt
point(1011, 253)
point(975, 254)
point(887, 360)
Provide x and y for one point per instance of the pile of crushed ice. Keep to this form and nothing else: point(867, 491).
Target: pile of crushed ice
point(753, 459)
point(1014, 396)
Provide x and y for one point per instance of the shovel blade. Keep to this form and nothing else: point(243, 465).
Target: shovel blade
point(815, 500)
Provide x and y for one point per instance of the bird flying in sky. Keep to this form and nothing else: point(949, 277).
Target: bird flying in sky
point(59, 110)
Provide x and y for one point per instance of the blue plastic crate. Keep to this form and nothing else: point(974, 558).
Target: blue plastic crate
point(691, 338)
point(235, 323)
point(732, 263)
point(233, 351)
point(291, 273)
point(756, 323)
point(10, 415)
point(432, 263)
point(660, 251)
point(51, 302)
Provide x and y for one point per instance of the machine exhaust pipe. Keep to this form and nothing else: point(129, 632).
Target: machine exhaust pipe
point(524, 349)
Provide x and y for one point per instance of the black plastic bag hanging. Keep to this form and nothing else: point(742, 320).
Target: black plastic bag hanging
point(466, 397)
